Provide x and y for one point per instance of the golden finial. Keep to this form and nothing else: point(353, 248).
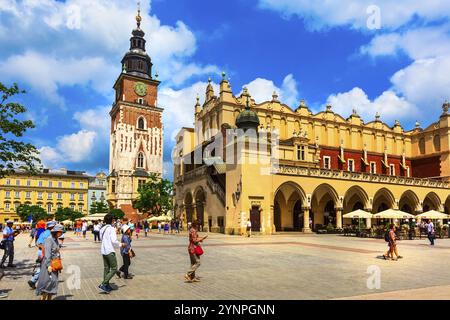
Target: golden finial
point(138, 17)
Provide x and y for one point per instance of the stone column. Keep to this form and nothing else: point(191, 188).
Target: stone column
point(306, 228)
point(339, 218)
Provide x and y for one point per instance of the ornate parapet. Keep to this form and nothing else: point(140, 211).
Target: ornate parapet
point(360, 176)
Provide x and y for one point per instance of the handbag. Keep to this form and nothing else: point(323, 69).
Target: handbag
point(2, 245)
point(131, 253)
point(56, 264)
point(198, 250)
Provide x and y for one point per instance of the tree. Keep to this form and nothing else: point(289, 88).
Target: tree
point(98, 207)
point(25, 211)
point(63, 214)
point(14, 154)
point(155, 196)
point(117, 213)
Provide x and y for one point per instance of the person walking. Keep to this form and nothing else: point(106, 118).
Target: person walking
point(84, 229)
point(195, 251)
point(126, 252)
point(431, 232)
point(166, 228)
point(138, 229)
point(40, 227)
point(51, 265)
point(32, 234)
point(109, 240)
point(392, 243)
point(9, 236)
point(96, 231)
point(249, 228)
point(146, 228)
point(159, 227)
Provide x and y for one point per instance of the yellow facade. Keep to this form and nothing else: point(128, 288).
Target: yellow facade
point(49, 189)
point(323, 166)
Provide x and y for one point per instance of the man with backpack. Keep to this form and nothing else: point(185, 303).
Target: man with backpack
point(391, 238)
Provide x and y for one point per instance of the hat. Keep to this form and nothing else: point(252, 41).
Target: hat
point(125, 228)
point(9, 222)
point(51, 224)
point(58, 228)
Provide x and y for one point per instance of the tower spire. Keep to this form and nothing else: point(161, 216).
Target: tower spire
point(138, 17)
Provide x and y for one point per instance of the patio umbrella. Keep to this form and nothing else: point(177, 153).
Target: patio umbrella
point(433, 215)
point(66, 222)
point(358, 214)
point(392, 214)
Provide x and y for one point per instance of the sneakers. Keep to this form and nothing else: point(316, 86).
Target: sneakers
point(3, 295)
point(11, 266)
point(32, 284)
point(110, 288)
point(104, 289)
point(118, 274)
point(188, 278)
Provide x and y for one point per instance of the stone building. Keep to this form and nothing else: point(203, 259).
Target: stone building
point(136, 140)
point(306, 170)
point(97, 189)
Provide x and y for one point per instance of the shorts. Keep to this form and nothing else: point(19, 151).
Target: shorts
point(84, 232)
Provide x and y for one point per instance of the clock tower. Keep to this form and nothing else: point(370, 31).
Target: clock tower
point(136, 138)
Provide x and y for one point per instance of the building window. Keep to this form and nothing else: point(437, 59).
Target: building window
point(351, 165)
point(80, 208)
point(39, 205)
point(80, 197)
point(50, 195)
point(81, 185)
point(373, 168)
point(8, 182)
point(113, 186)
point(73, 185)
point(49, 207)
point(140, 183)
point(72, 196)
point(17, 182)
point(40, 183)
point(28, 183)
point(301, 153)
point(59, 184)
point(72, 206)
point(59, 196)
point(28, 195)
point(140, 100)
point(39, 195)
point(59, 205)
point(327, 162)
point(16, 205)
point(140, 160)
point(141, 123)
point(392, 169)
point(50, 184)
point(7, 206)
point(17, 194)
point(8, 194)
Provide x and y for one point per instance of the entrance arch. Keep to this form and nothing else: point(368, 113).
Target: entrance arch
point(188, 207)
point(323, 206)
point(431, 202)
point(200, 201)
point(447, 205)
point(383, 200)
point(288, 202)
point(355, 199)
point(409, 202)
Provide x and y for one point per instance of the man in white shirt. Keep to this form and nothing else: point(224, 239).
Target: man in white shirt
point(430, 230)
point(109, 240)
point(249, 228)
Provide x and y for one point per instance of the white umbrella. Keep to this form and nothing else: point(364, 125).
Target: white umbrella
point(432, 214)
point(392, 214)
point(357, 214)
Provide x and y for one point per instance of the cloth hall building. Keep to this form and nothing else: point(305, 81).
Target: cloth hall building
point(323, 165)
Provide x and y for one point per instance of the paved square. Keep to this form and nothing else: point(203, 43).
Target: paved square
point(284, 266)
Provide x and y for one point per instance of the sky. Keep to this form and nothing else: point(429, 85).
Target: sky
point(391, 57)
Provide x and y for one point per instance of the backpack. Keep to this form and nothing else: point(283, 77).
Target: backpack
point(387, 238)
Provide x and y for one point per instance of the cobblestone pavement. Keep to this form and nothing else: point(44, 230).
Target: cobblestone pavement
point(284, 266)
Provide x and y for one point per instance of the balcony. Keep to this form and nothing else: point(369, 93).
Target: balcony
point(360, 176)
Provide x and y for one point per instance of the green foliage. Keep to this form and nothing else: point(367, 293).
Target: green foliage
point(14, 154)
point(63, 214)
point(98, 207)
point(155, 196)
point(117, 213)
point(38, 213)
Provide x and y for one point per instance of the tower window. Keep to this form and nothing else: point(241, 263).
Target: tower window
point(140, 100)
point(140, 65)
point(113, 186)
point(140, 160)
point(141, 124)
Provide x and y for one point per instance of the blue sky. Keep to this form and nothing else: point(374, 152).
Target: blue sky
point(393, 58)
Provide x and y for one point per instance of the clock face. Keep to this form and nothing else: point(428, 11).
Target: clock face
point(140, 89)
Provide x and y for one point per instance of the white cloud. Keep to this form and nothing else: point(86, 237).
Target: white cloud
point(388, 104)
point(81, 42)
point(335, 13)
point(77, 146)
point(420, 43)
point(262, 89)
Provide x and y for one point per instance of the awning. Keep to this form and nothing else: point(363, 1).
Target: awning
point(357, 214)
point(432, 214)
point(393, 214)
